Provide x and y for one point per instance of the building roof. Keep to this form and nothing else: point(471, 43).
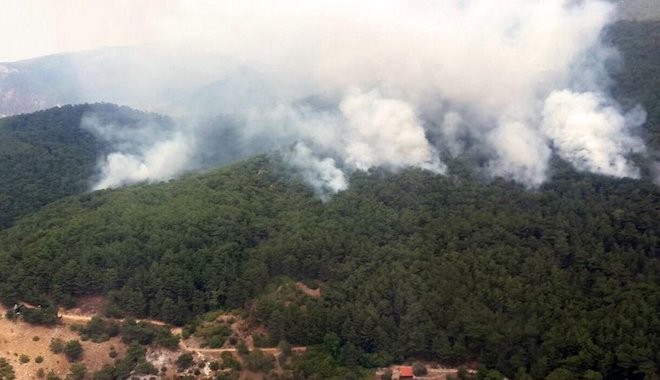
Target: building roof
point(405, 371)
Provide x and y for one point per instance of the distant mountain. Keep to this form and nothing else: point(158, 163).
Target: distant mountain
point(31, 85)
point(235, 92)
point(144, 77)
point(46, 155)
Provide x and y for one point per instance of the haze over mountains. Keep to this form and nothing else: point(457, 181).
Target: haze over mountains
point(342, 104)
point(122, 75)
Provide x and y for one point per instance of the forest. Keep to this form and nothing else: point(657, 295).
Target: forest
point(556, 282)
point(411, 264)
point(46, 155)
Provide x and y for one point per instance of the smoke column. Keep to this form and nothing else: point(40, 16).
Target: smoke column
point(355, 86)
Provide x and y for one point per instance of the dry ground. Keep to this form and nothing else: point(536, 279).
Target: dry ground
point(17, 338)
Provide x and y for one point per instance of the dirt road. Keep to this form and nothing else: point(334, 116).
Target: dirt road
point(175, 330)
point(87, 318)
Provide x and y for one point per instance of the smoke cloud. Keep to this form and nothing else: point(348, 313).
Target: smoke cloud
point(386, 133)
point(321, 173)
point(167, 154)
point(589, 134)
point(163, 160)
point(391, 84)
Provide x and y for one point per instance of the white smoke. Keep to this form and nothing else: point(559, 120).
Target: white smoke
point(385, 133)
point(522, 153)
point(321, 173)
point(589, 134)
point(167, 154)
point(162, 161)
point(517, 79)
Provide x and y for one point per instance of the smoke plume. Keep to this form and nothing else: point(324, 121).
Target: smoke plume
point(391, 84)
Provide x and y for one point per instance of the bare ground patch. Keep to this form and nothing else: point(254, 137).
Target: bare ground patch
point(19, 338)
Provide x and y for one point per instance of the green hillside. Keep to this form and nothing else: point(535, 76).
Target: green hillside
point(412, 265)
point(45, 155)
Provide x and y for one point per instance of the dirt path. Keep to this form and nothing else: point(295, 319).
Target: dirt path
point(87, 318)
point(176, 330)
point(316, 293)
point(272, 350)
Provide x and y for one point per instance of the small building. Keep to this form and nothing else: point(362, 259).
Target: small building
point(402, 373)
point(405, 372)
point(395, 373)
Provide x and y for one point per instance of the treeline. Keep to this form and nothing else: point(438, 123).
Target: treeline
point(411, 265)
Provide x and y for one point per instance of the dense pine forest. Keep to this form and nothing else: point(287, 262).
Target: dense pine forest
point(46, 155)
point(411, 265)
point(559, 282)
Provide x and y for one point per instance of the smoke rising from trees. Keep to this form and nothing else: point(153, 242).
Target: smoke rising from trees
point(392, 84)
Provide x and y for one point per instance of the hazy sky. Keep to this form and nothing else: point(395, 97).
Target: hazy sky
point(30, 28)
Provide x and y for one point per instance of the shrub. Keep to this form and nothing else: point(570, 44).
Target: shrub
point(56, 345)
point(40, 315)
point(261, 341)
point(11, 315)
point(242, 348)
point(259, 361)
point(164, 338)
point(184, 360)
point(145, 333)
point(285, 347)
point(6, 370)
point(99, 330)
point(73, 350)
point(419, 369)
point(143, 367)
point(228, 361)
point(39, 359)
point(213, 333)
point(52, 376)
point(77, 372)
point(23, 358)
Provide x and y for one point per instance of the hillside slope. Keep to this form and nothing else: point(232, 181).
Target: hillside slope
point(564, 279)
point(47, 155)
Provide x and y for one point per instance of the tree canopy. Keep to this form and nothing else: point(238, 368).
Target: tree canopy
point(46, 155)
point(412, 264)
